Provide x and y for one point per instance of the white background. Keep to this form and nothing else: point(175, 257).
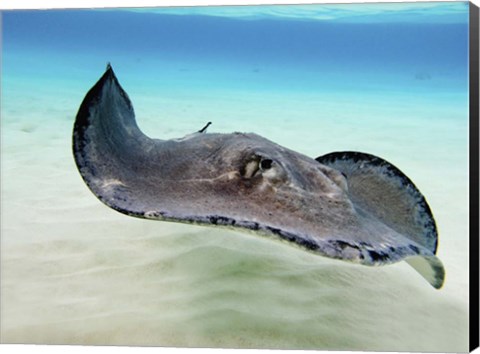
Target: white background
point(29, 4)
point(47, 4)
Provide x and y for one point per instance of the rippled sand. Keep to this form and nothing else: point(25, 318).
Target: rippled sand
point(74, 271)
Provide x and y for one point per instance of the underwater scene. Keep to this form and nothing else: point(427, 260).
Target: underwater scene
point(389, 80)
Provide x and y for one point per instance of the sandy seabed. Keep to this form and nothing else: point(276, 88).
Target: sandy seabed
point(75, 272)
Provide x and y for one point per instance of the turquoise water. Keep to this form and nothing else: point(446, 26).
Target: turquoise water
point(386, 79)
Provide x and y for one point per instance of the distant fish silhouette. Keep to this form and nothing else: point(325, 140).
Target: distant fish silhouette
point(423, 76)
point(344, 205)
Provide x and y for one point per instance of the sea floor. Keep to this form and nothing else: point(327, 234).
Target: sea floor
point(75, 272)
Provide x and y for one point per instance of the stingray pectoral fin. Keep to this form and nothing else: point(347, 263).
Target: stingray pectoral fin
point(429, 267)
point(108, 146)
point(381, 192)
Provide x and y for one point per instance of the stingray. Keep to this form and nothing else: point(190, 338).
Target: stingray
point(345, 205)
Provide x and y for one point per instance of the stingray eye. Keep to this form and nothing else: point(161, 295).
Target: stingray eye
point(250, 168)
point(256, 165)
point(265, 164)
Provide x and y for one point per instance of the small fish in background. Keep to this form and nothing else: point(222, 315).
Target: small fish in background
point(423, 76)
point(347, 205)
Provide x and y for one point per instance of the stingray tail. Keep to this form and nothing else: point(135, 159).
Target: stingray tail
point(382, 191)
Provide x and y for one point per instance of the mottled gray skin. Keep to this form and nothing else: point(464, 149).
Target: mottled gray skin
point(241, 180)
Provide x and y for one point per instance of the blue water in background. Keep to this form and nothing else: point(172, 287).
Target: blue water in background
point(410, 51)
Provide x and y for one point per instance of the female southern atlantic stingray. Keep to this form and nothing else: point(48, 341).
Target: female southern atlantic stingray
point(345, 205)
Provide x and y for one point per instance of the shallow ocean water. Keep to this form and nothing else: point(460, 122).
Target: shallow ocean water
point(315, 79)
